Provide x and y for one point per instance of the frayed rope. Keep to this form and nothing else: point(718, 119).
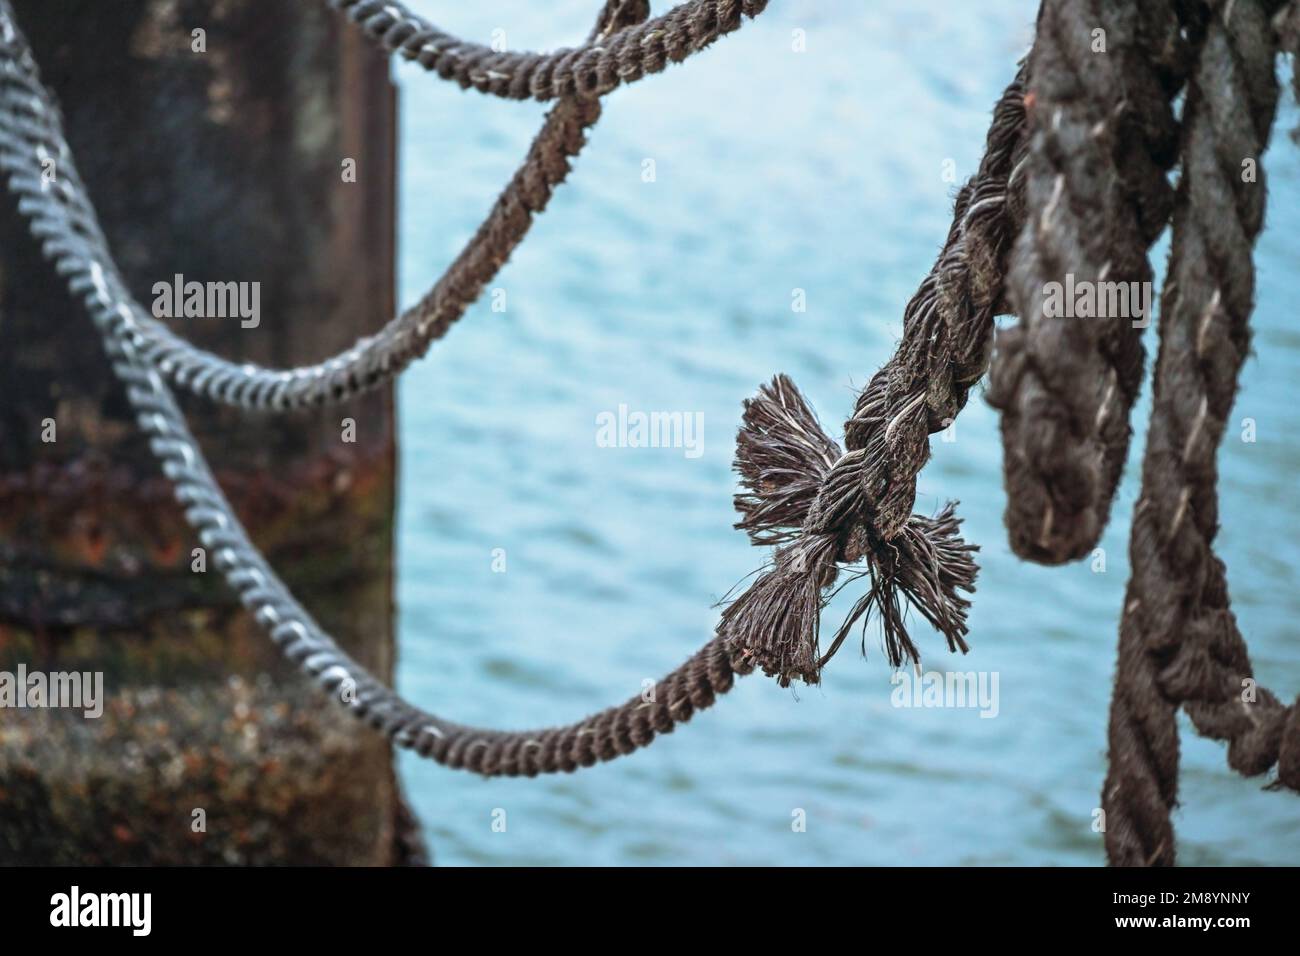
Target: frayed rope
point(804, 494)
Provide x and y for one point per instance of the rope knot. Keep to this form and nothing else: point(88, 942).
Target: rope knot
point(805, 495)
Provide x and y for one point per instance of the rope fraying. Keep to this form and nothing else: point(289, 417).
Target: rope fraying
point(795, 491)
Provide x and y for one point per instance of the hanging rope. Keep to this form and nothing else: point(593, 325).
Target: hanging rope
point(927, 564)
point(620, 57)
point(829, 510)
point(605, 735)
point(373, 359)
point(1179, 641)
point(1103, 139)
point(1081, 183)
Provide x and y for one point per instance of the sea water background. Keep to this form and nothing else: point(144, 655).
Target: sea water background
point(776, 170)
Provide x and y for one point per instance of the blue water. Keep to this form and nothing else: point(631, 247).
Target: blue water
point(774, 171)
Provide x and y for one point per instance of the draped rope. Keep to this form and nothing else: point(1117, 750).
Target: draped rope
point(1073, 178)
point(602, 736)
point(604, 63)
point(1179, 641)
point(926, 565)
point(373, 359)
point(1103, 139)
point(828, 509)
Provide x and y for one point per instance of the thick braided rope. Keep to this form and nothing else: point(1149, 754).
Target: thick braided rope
point(1103, 138)
point(1179, 642)
point(1287, 24)
point(947, 332)
point(591, 70)
point(605, 735)
point(30, 124)
point(830, 509)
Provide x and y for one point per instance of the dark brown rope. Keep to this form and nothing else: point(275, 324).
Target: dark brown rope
point(1103, 139)
point(1179, 642)
point(611, 733)
point(624, 55)
point(608, 734)
point(1287, 23)
point(404, 339)
point(799, 493)
point(829, 510)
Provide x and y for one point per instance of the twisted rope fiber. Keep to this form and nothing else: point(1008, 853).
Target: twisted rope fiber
point(827, 509)
point(947, 332)
point(612, 732)
point(926, 564)
point(1179, 642)
point(591, 70)
point(32, 122)
point(1103, 139)
point(779, 455)
point(1287, 24)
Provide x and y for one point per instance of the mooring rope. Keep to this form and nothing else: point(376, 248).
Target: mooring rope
point(828, 510)
point(373, 359)
point(603, 736)
point(1103, 140)
point(591, 70)
point(1179, 640)
point(925, 563)
point(1102, 76)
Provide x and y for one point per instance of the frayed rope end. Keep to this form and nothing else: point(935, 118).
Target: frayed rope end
point(784, 459)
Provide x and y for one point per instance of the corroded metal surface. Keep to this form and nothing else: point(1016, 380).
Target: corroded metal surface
point(221, 165)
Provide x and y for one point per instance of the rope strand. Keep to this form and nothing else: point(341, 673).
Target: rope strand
point(33, 124)
point(1103, 140)
point(623, 56)
point(603, 736)
point(1179, 642)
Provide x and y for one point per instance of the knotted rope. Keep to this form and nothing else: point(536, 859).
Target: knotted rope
point(828, 509)
point(1102, 77)
point(1179, 641)
point(924, 562)
point(602, 736)
point(1103, 139)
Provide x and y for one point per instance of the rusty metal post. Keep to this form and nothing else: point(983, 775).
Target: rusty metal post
point(218, 155)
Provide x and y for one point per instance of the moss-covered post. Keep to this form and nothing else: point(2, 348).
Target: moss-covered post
point(247, 142)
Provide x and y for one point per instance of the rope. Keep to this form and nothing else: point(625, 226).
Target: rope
point(1287, 24)
point(605, 735)
point(947, 332)
point(1103, 140)
point(1179, 642)
point(591, 70)
point(1088, 191)
point(34, 123)
point(829, 509)
point(926, 564)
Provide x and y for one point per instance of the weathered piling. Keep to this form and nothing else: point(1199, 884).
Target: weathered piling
point(238, 142)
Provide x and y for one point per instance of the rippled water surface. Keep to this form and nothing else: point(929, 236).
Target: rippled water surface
point(775, 171)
